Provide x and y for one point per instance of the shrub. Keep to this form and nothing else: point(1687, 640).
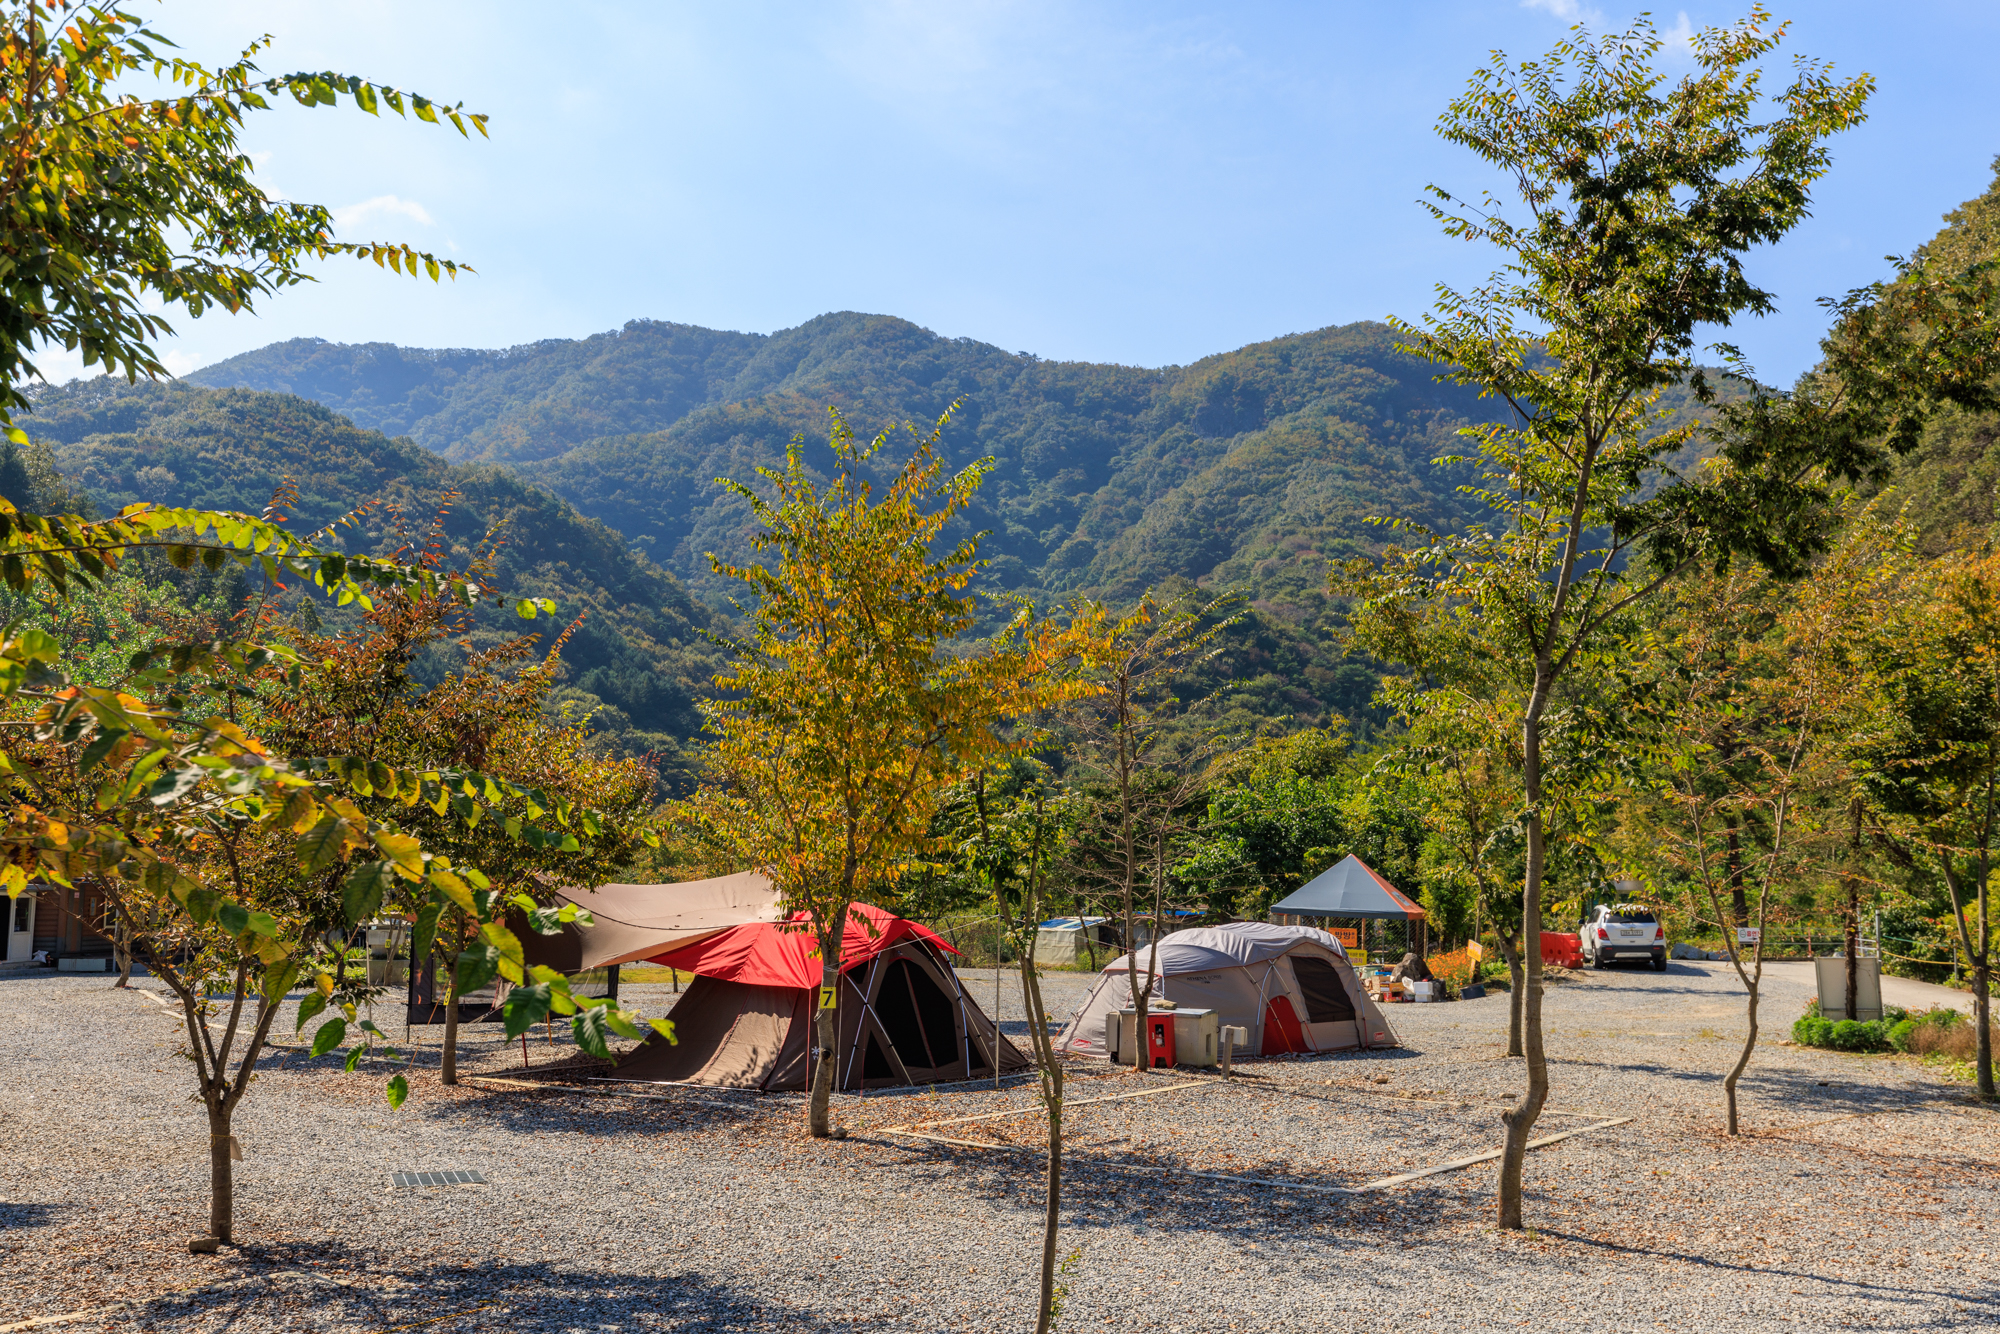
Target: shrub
point(1901, 1033)
point(1842, 1034)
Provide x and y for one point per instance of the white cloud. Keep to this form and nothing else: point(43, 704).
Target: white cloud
point(1562, 9)
point(1679, 39)
point(350, 216)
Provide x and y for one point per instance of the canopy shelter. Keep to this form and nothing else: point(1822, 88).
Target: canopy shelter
point(746, 1021)
point(1291, 987)
point(640, 921)
point(1351, 889)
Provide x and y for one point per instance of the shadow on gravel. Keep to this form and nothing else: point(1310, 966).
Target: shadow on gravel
point(1987, 1299)
point(570, 1110)
point(1132, 1193)
point(28, 1215)
point(270, 1284)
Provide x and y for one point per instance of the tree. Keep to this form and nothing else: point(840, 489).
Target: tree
point(1277, 815)
point(1752, 688)
point(355, 694)
point(111, 201)
point(1931, 758)
point(150, 787)
point(856, 699)
point(1141, 770)
point(1641, 196)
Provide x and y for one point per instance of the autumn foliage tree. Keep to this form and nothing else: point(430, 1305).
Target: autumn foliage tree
point(858, 695)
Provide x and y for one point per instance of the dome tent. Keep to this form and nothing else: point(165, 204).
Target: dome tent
point(1290, 987)
point(746, 1020)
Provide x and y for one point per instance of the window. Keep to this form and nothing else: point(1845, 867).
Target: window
point(1632, 917)
point(22, 906)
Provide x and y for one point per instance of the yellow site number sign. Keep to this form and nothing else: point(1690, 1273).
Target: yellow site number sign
point(826, 997)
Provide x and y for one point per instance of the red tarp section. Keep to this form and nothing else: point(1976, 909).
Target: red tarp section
point(771, 954)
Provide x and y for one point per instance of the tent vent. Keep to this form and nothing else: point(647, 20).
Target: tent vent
point(452, 1178)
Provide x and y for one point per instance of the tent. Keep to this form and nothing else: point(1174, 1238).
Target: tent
point(641, 921)
point(1066, 940)
point(746, 1020)
point(1291, 987)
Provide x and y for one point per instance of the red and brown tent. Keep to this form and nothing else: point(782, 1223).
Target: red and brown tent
point(746, 1020)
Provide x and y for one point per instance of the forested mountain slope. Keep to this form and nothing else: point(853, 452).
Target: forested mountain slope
point(1247, 467)
point(1951, 485)
point(638, 657)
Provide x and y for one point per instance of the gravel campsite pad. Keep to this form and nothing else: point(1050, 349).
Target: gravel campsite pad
point(1868, 1193)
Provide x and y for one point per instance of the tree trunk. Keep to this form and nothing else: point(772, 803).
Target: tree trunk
point(1749, 1044)
point(1520, 1120)
point(1517, 990)
point(1853, 942)
point(1050, 1071)
point(826, 1032)
point(448, 1062)
point(1738, 902)
point(221, 1177)
point(121, 945)
point(1982, 1016)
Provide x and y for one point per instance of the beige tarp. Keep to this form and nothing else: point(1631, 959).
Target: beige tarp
point(640, 921)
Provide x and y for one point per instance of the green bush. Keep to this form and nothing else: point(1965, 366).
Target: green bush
point(1842, 1034)
point(1901, 1035)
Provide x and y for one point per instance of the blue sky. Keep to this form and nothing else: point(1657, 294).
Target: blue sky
point(1140, 183)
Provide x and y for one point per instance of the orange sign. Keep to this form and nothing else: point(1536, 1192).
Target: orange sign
point(1346, 935)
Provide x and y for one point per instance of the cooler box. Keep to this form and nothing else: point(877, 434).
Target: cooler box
point(1174, 1037)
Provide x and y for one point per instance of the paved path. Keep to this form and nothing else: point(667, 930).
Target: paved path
point(1903, 991)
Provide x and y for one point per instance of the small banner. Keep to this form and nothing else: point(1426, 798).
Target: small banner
point(826, 997)
point(1347, 935)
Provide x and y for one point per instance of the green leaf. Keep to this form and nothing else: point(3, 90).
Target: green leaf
point(525, 1007)
point(478, 964)
point(278, 980)
point(398, 1090)
point(665, 1028)
point(320, 846)
point(232, 917)
point(424, 933)
point(329, 1036)
point(508, 944)
point(589, 1030)
point(100, 746)
point(308, 1009)
point(354, 1057)
point(361, 896)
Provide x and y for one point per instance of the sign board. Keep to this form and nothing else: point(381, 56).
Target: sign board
point(1831, 974)
point(1346, 935)
point(1748, 935)
point(1474, 950)
point(826, 997)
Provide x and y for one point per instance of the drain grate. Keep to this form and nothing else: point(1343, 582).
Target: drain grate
point(453, 1178)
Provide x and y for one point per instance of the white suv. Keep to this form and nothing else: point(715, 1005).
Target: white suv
point(1624, 931)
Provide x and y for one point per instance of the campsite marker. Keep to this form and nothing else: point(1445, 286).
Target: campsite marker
point(827, 996)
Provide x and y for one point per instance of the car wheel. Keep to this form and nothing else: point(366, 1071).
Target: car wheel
point(1659, 965)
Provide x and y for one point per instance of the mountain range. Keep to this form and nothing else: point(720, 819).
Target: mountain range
point(1248, 471)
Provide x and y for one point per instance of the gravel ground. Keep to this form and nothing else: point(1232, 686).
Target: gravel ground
point(1864, 1195)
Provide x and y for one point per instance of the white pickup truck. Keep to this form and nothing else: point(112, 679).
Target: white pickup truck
point(1624, 931)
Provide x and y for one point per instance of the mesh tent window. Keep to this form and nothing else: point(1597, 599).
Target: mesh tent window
point(1325, 994)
